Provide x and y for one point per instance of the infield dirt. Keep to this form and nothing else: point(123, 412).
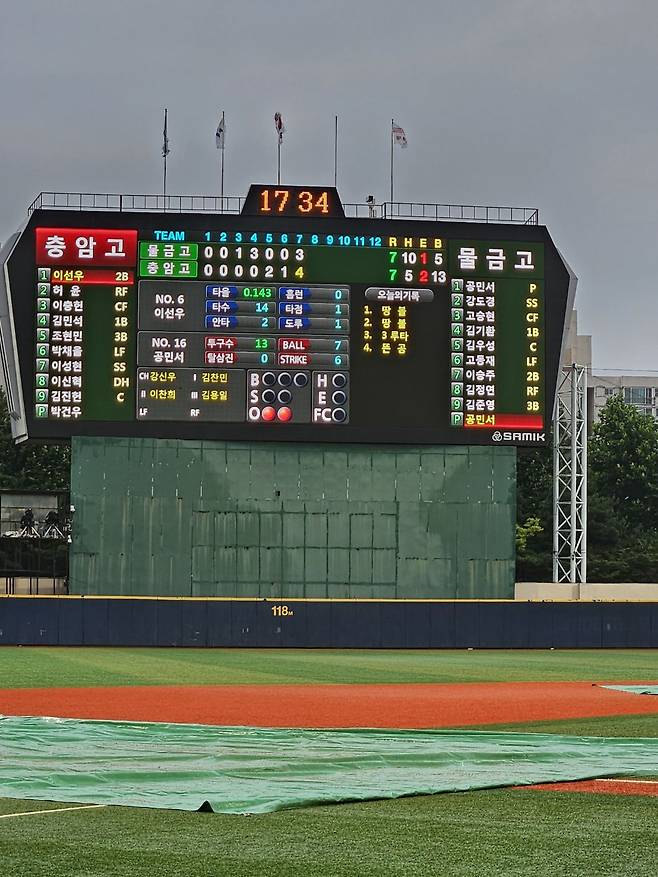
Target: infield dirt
point(332, 706)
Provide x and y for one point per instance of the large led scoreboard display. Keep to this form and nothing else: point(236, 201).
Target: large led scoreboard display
point(287, 322)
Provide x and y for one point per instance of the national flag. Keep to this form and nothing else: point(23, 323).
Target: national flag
point(220, 133)
point(165, 138)
point(278, 124)
point(399, 137)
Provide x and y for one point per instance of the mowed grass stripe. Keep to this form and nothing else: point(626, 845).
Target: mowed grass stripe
point(603, 726)
point(509, 832)
point(45, 667)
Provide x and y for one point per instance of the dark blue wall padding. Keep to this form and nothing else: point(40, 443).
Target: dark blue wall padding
point(376, 624)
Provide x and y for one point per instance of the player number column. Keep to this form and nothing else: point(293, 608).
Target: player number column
point(41, 377)
point(457, 353)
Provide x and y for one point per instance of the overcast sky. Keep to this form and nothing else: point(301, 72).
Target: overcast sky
point(517, 102)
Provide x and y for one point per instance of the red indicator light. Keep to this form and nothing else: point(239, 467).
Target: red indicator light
point(284, 414)
point(508, 421)
point(520, 421)
point(268, 413)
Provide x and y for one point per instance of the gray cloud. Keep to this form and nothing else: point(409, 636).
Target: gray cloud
point(504, 101)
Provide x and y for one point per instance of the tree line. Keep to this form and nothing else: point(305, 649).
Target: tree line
point(31, 465)
point(622, 507)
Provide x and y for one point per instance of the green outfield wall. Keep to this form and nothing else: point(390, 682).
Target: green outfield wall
point(183, 518)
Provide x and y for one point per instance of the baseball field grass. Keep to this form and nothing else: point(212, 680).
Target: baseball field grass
point(505, 832)
point(43, 667)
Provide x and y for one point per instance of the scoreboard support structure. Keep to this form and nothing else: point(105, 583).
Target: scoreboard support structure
point(402, 360)
point(570, 477)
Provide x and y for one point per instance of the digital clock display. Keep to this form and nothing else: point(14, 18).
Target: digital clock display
point(286, 324)
point(292, 201)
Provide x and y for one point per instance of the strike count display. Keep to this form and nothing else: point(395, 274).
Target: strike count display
point(329, 329)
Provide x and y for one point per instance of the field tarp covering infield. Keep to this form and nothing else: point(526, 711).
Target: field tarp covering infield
point(259, 770)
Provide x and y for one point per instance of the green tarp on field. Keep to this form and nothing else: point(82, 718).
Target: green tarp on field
point(258, 770)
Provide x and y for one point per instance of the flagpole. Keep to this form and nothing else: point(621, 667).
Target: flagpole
point(165, 150)
point(392, 122)
point(336, 152)
point(279, 128)
point(221, 190)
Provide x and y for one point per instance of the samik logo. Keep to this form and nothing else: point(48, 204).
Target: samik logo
point(498, 436)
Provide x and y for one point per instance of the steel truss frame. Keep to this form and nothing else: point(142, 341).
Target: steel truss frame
point(570, 477)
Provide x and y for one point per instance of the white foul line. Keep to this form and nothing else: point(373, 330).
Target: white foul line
point(51, 810)
point(641, 782)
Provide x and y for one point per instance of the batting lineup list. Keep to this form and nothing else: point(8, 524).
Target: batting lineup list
point(282, 327)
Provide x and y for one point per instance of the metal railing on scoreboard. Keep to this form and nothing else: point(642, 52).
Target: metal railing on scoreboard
point(232, 204)
point(459, 212)
point(136, 203)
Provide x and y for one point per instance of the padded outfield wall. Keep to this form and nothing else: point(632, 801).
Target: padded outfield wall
point(205, 519)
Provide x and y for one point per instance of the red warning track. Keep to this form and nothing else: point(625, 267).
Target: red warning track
point(333, 706)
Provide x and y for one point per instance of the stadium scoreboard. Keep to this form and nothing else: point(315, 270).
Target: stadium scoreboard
point(286, 322)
